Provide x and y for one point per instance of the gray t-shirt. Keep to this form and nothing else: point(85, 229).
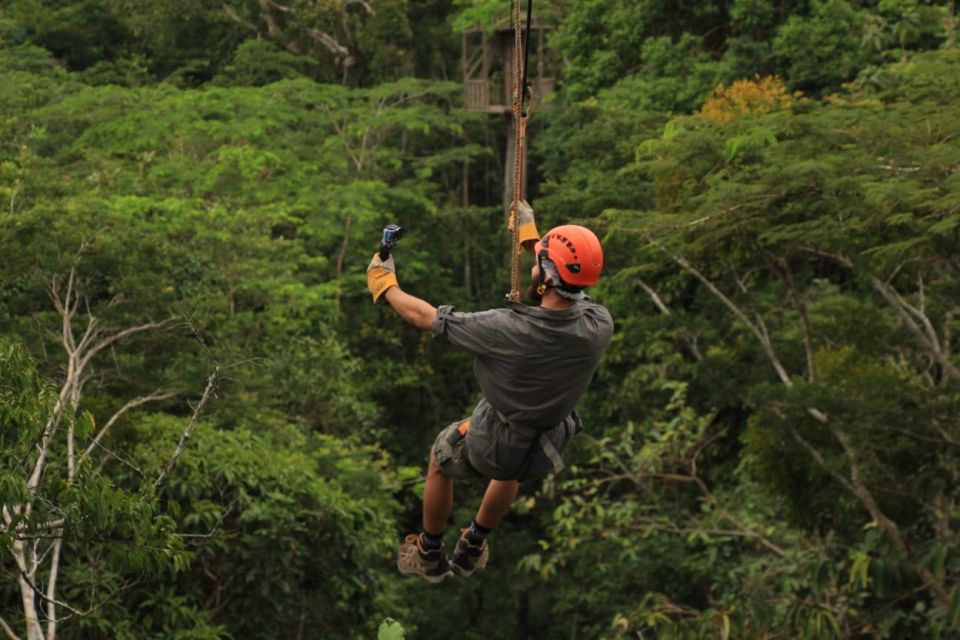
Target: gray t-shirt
point(533, 364)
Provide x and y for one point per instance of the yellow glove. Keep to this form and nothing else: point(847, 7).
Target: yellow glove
point(381, 275)
point(528, 228)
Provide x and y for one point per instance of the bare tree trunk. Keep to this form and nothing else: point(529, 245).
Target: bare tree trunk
point(52, 590)
point(26, 553)
point(27, 596)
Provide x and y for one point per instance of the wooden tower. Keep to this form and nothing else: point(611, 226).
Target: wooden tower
point(488, 79)
point(488, 68)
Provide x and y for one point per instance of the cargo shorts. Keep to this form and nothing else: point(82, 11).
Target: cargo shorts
point(450, 451)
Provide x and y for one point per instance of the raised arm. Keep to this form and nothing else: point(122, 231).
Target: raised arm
point(414, 310)
point(382, 283)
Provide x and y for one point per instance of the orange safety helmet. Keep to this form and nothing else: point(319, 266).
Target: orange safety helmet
point(576, 251)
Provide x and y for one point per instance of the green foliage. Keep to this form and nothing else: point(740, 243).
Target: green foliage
point(92, 517)
point(242, 212)
point(604, 41)
point(286, 526)
point(80, 34)
point(243, 224)
point(770, 442)
point(258, 62)
point(824, 48)
point(675, 77)
point(786, 250)
point(489, 14)
point(189, 43)
point(390, 630)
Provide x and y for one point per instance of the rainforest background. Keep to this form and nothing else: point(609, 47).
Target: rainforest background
point(190, 191)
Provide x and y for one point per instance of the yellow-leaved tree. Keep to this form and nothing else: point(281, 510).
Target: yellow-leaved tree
point(761, 95)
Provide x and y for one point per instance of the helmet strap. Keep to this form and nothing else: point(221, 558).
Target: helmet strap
point(542, 286)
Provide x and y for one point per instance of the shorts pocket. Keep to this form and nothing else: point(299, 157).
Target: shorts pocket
point(449, 453)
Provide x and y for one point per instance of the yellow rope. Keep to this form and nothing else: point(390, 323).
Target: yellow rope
point(519, 130)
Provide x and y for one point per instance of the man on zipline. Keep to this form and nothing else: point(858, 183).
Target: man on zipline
point(532, 362)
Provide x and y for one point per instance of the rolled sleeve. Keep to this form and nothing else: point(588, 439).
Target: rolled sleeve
point(474, 332)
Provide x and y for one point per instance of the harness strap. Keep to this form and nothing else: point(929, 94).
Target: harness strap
point(545, 445)
point(551, 451)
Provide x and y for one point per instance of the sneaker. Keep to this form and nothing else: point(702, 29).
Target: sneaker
point(414, 560)
point(469, 557)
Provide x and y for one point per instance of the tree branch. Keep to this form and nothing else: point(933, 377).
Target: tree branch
point(120, 335)
point(743, 530)
point(727, 533)
point(654, 297)
point(233, 15)
point(855, 484)
point(52, 590)
point(758, 331)
point(340, 52)
point(842, 259)
point(688, 339)
point(278, 7)
point(132, 404)
point(818, 458)
point(781, 268)
point(362, 3)
point(34, 481)
point(948, 331)
point(207, 393)
point(37, 590)
point(8, 630)
point(924, 337)
point(273, 30)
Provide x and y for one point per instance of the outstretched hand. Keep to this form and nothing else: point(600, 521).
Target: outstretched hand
point(381, 275)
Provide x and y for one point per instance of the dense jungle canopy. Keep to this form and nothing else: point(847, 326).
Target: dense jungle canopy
point(208, 431)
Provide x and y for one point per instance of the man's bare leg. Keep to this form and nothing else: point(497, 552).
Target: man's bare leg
point(497, 500)
point(422, 554)
point(437, 499)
